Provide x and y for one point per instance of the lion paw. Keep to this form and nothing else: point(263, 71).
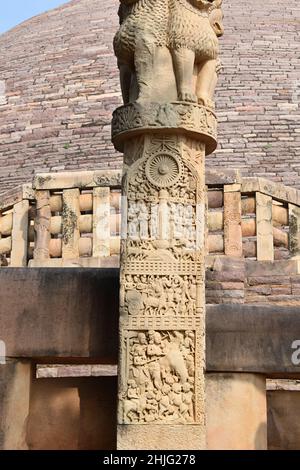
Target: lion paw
point(189, 97)
point(206, 102)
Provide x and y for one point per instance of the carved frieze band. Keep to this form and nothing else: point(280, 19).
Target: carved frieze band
point(190, 118)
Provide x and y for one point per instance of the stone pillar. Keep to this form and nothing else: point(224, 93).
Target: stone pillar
point(15, 381)
point(233, 245)
point(42, 226)
point(162, 317)
point(19, 234)
point(264, 228)
point(294, 233)
point(165, 135)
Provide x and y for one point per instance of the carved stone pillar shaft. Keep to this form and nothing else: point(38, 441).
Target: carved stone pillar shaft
point(162, 304)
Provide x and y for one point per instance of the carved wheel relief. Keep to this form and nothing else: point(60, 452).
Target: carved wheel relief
point(163, 170)
point(161, 166)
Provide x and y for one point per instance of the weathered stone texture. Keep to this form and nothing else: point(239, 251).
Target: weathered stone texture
point(283, 422)
point(240, 281)
point(80, 411)
point(61, 85)
point(258, 92)
point(236, 402)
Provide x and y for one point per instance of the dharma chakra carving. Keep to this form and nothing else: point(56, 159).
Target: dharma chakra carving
point(160, 386)
point(163, 170)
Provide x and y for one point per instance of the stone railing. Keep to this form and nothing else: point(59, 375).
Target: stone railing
point(16, 219)
point(73, 219)
point(62, 220)
point(77, 219)
point(252, 218)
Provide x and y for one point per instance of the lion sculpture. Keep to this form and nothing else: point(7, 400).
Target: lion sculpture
point(188, 28)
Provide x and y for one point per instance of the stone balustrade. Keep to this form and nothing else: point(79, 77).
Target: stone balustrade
point(74, 219)
point(253, 218)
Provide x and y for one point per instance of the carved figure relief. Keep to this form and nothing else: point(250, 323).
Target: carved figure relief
point(188, 116)
point(162, 194)
point(160, 377)
point(153, 295)
point(138, 221)
point(188, 28)
point(162, 221)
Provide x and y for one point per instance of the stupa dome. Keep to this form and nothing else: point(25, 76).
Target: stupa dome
point(59, 85)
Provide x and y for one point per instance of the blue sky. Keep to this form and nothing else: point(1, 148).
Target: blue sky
point(13, 12)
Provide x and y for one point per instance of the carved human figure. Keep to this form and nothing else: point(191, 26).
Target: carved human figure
point(164, 402)
point(143, 218)
point(187, 406)
point(133, 390)
point(188, 342)
point(132, 220)
point(154, 298)
point(188, 223)
point(188, 28)
point(176, 399)
point(133, 404)
point(140, 370)
point(186, 289)
point(172, 221)
point(154, 222)
point(154, 348)
point(178, 219)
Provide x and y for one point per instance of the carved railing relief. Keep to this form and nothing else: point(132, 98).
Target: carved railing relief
point(247, 217)
point(77, 218)
point(69, 219)
point(16, 213)
point(260, 222)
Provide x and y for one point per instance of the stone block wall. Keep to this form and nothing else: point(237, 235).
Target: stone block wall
point(275, 283)
point(240, 281)
point(59, 85)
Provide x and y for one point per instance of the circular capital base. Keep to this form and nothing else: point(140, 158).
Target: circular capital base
point(189, 119)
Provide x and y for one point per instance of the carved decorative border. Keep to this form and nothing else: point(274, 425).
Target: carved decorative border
point(191, 119)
